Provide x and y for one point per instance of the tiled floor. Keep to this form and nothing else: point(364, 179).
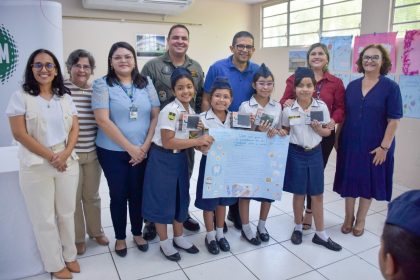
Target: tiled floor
point(277, 259)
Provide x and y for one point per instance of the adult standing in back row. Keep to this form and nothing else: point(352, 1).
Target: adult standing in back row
point(240, 71)
point(160, 70)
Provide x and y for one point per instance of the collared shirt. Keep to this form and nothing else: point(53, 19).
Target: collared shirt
point(169, 118)
point(272, 108)
point(118, 103)
point(295, 117)
point(210, 120)
point(241, 82)
point(160, 70)
point(331, 91)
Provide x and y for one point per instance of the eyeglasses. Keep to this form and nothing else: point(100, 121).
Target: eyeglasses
point(39, 65)
point(121, 57)
point(222, 96)
point(265, 84)
point(371, 57)
point(241, 47)
point(81, 67)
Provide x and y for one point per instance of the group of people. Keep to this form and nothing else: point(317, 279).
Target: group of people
point(127, 124)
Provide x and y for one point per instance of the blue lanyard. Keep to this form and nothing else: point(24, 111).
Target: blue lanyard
point(129, 92)
point(318, 88)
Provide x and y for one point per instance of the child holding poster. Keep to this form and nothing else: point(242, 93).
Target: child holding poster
point(166, 183)
point(304, 173)
point(217, 116)
point(265, 115)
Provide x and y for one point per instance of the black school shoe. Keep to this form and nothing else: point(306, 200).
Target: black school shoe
point(191, 250)
point(149, 231)
point(211, 246)
point(235, 220)
point(254, 241)
point(265, 237)
point(175, 257)
point(223, 244)
point(191, 224)
point(329, 244)
point(296, 237)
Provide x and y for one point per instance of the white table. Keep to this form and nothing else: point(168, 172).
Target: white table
point(19, 255)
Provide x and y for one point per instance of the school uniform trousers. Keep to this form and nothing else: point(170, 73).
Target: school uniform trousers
point(50, 201)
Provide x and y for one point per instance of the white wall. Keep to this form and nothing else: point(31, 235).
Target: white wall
point(376, 15)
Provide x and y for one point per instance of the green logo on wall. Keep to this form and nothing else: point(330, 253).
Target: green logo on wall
point(9, 55)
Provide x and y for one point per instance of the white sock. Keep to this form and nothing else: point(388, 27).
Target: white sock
point(323, 235)
point(299, 227)
point(261, 226)
point(248, 231)
point(167, 247)
point(182, 242)
point(219, 233)
point(211, 236)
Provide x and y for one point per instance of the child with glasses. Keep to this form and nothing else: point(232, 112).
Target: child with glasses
point(269, 112)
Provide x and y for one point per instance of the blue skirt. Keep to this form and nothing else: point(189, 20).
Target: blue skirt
point(304, 171)
point(209, 204)
point(166, 187)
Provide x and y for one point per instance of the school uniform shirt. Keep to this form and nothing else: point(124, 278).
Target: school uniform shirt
point(272, 108)
point(296, 118)
point(169, 119)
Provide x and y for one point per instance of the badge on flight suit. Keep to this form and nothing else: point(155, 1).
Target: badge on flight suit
point(171, 116)
point(194, 73)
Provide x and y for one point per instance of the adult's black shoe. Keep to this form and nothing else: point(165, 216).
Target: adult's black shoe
point(175, 257)
point(296, 237)
point(120, 252)
point(149, 231)
point(235, 219)
point(191, 224)
point(329, 244)
point(211, 246)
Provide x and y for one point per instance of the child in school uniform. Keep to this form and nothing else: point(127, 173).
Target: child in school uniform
point(166, 184)
point(263, 83)
point(304, 168)
point(217, 116)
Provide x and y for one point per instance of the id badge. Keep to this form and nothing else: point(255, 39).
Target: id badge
point(133, 112)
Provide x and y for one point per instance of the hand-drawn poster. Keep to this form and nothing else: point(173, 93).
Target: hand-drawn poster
point(296, 59)
point(339, 48)
point(411, 55)
point(387, 40)
point(410, 92)
point(245, 163)
point(344, 77)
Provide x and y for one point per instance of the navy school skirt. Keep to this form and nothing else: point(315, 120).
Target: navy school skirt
point(209, 204)
point(304, 171)
point(166, 187)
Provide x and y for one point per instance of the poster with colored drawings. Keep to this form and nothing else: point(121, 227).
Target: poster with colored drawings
point(411, 54)
point(344, 77)
point(410, 92)
point(387, 40)
point(339, 48)
point(245, 163)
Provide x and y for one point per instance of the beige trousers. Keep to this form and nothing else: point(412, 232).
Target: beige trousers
point(50, 201)
point(87, 216)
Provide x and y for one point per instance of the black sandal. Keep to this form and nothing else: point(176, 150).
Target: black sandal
point(307, 226)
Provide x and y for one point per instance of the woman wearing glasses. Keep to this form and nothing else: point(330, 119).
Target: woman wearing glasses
point(365, 158)
point(329, 89)
point(126, 107)
point(43, 119)
point(80, 65)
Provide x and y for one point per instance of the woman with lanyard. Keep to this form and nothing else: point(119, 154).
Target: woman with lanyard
point(329, 89)
point(126, 107)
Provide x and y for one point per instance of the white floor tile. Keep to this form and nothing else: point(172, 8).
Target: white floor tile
point(350, 269)
point(139, 264)
point(352, 243)
point(313, 275)
point(93, 248)
point(44, 276)
point(224, 269)
point(175, 275)
point(313, 254)
point(254, 211)
point(371, 256)
point(97, 267)
point(280, 227)
point(375, 223)
point(273, 262)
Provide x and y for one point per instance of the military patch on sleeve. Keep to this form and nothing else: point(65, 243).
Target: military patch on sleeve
point(193, 73)
point(171, 116)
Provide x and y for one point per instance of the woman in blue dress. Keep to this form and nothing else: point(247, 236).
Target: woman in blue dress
point(365, 157)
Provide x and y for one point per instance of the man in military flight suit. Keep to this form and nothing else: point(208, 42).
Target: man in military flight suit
point(159, 70)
